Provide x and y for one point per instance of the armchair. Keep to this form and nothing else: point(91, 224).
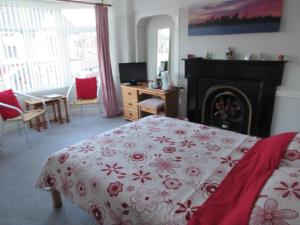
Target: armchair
point(87, 93)
point(22, 117)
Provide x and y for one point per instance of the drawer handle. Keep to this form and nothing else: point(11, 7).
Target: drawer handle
point(129, 104)
point(130, 114)
point(129, 93)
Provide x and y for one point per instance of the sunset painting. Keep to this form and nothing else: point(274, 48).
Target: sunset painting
point(235, 16)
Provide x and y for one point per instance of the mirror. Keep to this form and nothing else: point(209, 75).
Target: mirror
point(163, 50)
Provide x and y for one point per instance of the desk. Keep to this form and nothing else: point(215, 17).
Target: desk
point(54, 102)
point(133, 94)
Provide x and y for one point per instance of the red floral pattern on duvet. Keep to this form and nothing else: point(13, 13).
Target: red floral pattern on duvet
point(158, 170)
point(289, 189)
point(271, 215)
point(292, 155)
point(115, 188)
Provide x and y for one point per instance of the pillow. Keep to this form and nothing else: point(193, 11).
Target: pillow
point(86, 88)
point(8, 97)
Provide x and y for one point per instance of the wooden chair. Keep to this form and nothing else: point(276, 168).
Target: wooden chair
point(26, 116)
point(83, 101)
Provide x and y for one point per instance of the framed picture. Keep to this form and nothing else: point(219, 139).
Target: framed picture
point(235, 17)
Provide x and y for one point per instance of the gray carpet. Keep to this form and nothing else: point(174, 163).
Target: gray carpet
point(20, 202)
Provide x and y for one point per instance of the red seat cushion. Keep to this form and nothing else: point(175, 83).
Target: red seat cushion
point(86, 88)
point(8, 97)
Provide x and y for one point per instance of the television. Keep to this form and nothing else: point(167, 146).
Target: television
point(133, 73)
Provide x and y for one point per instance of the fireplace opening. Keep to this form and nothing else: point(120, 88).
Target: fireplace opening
point(228, 108)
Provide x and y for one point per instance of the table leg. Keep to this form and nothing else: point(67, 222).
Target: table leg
point(27, 108)
point(59, 112)
point(54, 112)
point(44, 121)
point(66, 109)
point(56, 198)
point(37, 119)
point(38, 123)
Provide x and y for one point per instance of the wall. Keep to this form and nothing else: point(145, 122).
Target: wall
point(287, 42)
point(122, 38)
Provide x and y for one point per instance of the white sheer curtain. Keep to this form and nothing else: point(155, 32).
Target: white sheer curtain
point(43, 45)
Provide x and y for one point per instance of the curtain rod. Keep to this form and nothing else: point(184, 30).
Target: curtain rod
point(88, 3)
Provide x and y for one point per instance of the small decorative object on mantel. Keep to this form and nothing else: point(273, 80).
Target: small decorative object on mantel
point(262, 56)
point(230, 53)
point(208, 55)
point(248, 57)
point(281, 57)
point(190, 56)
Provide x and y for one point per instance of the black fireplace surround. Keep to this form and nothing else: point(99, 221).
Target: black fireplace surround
point(236, 95)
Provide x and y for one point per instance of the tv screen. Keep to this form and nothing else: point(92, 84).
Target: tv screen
point(133, 72)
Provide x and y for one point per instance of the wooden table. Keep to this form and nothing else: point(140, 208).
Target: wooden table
point(133, 94)
point(54, 102)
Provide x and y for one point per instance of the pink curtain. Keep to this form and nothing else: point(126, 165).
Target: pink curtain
point(109, 99)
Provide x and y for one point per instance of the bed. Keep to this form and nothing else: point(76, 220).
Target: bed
point(158, 170)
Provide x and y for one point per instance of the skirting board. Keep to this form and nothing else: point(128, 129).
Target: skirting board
point(288, 94)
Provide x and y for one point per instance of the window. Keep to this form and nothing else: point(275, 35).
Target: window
point(43, 46)
point(10, 52)
point(83, 55)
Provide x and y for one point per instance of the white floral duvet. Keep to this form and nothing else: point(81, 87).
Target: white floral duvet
point(158, 170)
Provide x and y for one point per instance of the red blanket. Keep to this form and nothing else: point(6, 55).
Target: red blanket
point(233, 201)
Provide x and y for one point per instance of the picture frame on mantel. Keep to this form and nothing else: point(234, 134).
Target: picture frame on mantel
point(235, 17)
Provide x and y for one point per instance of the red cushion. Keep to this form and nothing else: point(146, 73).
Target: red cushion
point(8, 97)
point(86, 88)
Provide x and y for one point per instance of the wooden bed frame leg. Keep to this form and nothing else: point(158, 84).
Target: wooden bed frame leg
point(56, 198)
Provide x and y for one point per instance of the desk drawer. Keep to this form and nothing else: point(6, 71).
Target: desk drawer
point(129, 93)
point(130, 103)
point(131, 114)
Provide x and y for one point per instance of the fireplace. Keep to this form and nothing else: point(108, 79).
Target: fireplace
point(233, 94)
point(227, 107)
